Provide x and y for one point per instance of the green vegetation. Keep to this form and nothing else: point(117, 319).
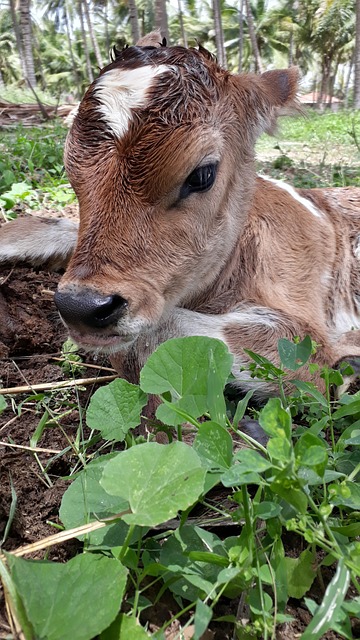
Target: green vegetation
point(303, 481)
point(31, 167)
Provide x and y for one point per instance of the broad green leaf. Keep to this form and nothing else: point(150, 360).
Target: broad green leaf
point(326, 613)
point(156, 480)
point(266, 510)
point(78, 599)
point(215, 397)
point(203, 615)
point(346, 494)
point(3, 404)
point(124, 628)
point(300, 574)
point(289, 491)
point(190, 369)
point(293, 356)
point(116, 408)
point(275, 421)
point(279, 449)
point(86, 501)
point(257, 604)
point(237, 476)
point(252, 460)
point(214, 445)
point(194, 577)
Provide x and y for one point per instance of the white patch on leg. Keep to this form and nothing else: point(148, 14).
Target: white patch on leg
point(291, 191)
point(119, 91)
point(346, 320)
point(356, 248)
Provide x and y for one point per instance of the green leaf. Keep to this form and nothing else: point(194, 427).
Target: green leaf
point(3, 404)
point(310, 451)
point(252, 460)
point(116, 408)
point(300, 574)
point(214, 445)
point(275, 421)
point(86, 501)
point(348, 409)
point(310, 390)
point(236, 476)
point(157, 480)
point(203, 615)
point(293, 356)
point(326, 614)
point(290, 491)
point(124, 628)
point(78, 599)
point(346, 494)
point(192, 369)
point(266, 510)
point(241, 407)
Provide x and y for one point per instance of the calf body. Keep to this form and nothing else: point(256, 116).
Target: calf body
point(179, 236)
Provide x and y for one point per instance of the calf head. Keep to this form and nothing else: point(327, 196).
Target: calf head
point(161, 157)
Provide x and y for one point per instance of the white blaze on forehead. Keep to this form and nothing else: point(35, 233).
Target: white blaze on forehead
point(121, 90)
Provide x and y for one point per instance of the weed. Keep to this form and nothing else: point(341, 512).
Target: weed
point(303, 481)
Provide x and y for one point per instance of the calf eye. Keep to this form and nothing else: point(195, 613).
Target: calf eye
point(201, 179)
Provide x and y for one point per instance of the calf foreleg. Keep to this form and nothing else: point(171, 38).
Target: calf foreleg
point(247, 327)
point(39, 241)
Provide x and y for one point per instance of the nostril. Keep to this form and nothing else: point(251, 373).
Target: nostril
point(108, 307)
point(90, 308)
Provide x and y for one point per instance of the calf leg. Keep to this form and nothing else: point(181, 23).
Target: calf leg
point(250, 327)
point(39, 241)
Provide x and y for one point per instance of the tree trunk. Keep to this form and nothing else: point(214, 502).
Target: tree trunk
point(254, 46)
point(357, 58)
point(219, 34)
point(76, 75)
point(134, 21)
point(182, 28)
point(17, 36)
point(241, 35)
point(161, 21)
point(26, 39)
point(347, 81)
point(85, 43)
point(92, 34)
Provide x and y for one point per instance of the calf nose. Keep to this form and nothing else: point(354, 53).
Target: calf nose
point(90, 308)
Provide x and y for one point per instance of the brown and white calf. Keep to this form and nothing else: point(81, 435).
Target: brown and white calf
point(178, 236)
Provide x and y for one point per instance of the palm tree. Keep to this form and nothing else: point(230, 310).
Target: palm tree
point(254, 44)
point(219, 34)
point(357, 58)
point(134, 21)
point(26, 42)
point(161, 20)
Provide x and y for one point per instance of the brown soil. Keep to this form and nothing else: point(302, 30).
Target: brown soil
point(31, 336)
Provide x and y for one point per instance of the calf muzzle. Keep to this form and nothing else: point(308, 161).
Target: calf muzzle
point(88, 308)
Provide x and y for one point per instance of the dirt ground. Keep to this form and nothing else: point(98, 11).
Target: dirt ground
point(31, 337)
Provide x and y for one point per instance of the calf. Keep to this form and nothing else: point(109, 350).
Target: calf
point(178, 236)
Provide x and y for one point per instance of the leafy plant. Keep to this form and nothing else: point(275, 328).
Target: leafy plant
point(303, 481)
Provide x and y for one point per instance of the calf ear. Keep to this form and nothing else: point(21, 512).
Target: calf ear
point(152, 39)
point(281, 87)
point(262, 98)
